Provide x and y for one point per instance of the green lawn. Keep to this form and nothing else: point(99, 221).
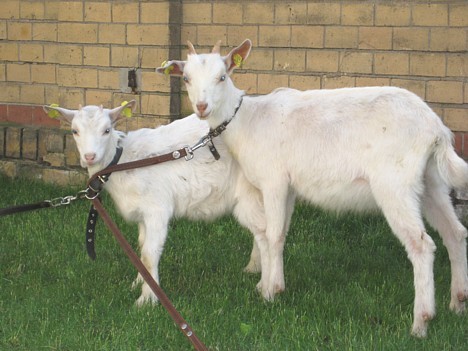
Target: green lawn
point(349, 285)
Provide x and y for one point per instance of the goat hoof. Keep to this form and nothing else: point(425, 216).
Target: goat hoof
point(419, 331)
point(252, 268)
point(146, 300)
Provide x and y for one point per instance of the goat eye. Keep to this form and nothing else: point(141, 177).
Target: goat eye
point(186, 80)
point(107, 131)
point(74, 131)
point(222, 78)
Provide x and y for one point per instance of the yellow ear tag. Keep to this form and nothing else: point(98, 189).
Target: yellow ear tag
point(53, 113)
point(127, 111)
point(237, 60)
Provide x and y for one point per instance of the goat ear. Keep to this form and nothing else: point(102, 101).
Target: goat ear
point(173, 68)
point(116, 113)
point(237, 56)
point(59, 112)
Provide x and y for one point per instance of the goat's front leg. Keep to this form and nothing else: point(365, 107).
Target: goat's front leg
point(141, 240)
point(276, 201)
point(151, 251)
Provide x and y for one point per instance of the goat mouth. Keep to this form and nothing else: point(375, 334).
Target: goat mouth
point(203, 115)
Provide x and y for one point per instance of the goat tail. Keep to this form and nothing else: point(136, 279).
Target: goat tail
point(452, 168)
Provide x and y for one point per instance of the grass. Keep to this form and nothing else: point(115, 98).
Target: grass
point(349, 285)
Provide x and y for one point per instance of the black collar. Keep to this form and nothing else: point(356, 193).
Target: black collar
point(98, 183)
point(222, 127)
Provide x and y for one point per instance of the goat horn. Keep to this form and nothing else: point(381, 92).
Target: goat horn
point(216, 48)
point(191, 48)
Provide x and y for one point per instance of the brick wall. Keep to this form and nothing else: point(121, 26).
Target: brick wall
point(80, 52)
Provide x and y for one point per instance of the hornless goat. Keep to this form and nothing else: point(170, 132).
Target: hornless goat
point(344, 149)
point(201, 188)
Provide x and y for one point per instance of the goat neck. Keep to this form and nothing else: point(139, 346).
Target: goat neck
point(109, 153)
point(227, 106)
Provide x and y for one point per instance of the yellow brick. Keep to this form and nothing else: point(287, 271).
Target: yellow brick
point(209, 35)
point(416, 86)
point(153, 57)
point(31, 52)
point(355, 62)
point(18, 72)
point(338, 82)
point(155, 12)
point(9, 92)
point(51, 10)
point(112, 33)
point(307, 36)
point(45, 31)
point(77, 32)
point(70, 11)
point(457, 65)
point(448, 39)
point(9, 51)
point(411, 39)
point(96, 56)
point(10, 9)
point(393, 14)
point(153, 82)
point(124, 56)
point(2, 72)
point(3, 30)
point(235, 35)
point(322, 61)
point(152, 104)
point(108, 79)
point(260, 59)
point(269, 82)
point(375, 38)
point(156, 34)
point(290, 13)
point(430, 15)
point(450, 92)
point(32, 94)
point(455, 119)
point(304, 82)
point(197, 13)
point(258, 13)
point(391, 63)
point(227, 13)
point(77, 77)
point(125, 12)
point(423, 64)
point(276, 36)
point(98, 97)
point(361, 14)
point(97, 12)
point(323, 13)
point(19, 31)
point(69, 98)
point(188, 32)
point(465, 99)
point(43, 74)
point(458, 15)
point(372, 81)
point(289, 60)
point(32, 10)
point(341, 37)
point(246, 82)
point(64, 54)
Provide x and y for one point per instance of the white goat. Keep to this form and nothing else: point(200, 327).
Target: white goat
point(344, 149)
point(201, 188)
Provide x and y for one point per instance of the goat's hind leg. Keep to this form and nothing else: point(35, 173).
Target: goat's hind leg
point(440, 214)
point(400, 206)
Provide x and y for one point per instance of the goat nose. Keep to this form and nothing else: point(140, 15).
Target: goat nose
point(201, 107)
point(90, 156)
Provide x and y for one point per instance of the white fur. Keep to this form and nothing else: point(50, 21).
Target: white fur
point(355, 149)
point(201, 188)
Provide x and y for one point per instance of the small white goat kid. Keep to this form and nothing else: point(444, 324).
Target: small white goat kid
point(344, 149)
point(201, 188)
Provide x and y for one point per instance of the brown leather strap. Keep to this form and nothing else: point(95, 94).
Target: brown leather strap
point(178, 319)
